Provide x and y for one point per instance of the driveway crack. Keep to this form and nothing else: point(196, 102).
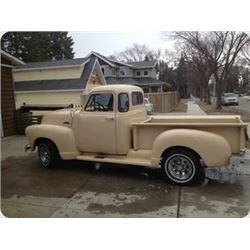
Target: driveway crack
point(178, 202)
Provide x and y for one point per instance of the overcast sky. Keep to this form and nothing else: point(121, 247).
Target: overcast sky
point(107, 43)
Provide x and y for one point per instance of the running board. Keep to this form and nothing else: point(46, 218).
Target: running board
point(116, 159)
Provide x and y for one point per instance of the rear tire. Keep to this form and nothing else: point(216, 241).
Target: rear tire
point(182, 167)
point(48, 154)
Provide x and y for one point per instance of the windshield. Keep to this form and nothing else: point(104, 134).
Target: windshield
point(229, 95)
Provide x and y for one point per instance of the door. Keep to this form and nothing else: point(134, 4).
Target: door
point(97, 126)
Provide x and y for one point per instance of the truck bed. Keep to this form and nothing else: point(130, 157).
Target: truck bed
point(230, 127)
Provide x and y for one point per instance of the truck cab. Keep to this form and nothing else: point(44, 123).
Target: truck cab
point(104, 124)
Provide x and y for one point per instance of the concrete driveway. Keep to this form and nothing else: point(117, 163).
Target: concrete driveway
point(77, 189)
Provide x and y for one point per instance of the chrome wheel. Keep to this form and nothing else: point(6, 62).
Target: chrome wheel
point(44, 154)
point(180, 168)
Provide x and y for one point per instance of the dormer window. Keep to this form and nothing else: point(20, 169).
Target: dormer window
point(145, 73)
point(138, 73)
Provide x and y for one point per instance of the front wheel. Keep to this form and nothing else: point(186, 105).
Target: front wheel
point(48, 154)
point(183, 167)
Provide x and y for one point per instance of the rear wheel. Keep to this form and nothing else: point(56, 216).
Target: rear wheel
point(48, 154)
point(183, 167)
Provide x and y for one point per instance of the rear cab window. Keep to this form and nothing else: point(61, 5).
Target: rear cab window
point(137, 98)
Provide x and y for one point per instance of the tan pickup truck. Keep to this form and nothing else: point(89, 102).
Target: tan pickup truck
point(113, 127)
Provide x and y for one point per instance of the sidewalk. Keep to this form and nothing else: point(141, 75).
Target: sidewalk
point(194, 109)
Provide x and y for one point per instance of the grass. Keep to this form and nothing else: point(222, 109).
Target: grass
point(210, 110)
point(182, 107)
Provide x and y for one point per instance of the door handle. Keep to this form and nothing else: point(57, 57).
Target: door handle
point(109, 118)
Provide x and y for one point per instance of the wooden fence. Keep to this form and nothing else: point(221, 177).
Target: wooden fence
point(163, 102)
point(24, 117)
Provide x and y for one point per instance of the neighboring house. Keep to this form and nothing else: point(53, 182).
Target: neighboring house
point(56, 82)
point(68, 81)
point(142, 74)
point(7, 93)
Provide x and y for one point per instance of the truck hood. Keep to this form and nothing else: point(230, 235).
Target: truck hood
point(62, 117)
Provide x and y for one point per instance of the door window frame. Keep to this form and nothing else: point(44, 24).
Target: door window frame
point(97, 111)
point(122, 93)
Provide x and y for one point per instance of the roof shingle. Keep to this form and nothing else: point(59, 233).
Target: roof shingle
point(55, 63)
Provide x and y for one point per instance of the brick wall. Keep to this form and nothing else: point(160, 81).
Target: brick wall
point(7, 100)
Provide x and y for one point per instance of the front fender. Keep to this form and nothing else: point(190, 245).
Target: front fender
point(212, 148)
point(62, 136)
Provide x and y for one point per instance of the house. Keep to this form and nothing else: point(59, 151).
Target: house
point(8, 62)
point(68, 81)
point(56, 82)
point(142, 74)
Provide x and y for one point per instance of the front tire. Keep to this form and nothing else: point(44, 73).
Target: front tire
point(48, 154)
point(183, 167)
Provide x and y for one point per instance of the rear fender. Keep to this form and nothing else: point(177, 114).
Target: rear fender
point(214, 149)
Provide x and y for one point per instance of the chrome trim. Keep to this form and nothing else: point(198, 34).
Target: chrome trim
point(27, 147)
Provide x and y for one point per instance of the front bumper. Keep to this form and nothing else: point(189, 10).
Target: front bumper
point(27, 147)
point(231, 103)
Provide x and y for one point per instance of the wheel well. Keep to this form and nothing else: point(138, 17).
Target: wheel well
point(40, 140)
point(168, 150)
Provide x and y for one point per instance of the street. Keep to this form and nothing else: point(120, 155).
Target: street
point(244, 105)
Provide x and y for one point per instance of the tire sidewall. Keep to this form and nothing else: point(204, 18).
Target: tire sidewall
point(197, 175)
point(45, 147)
point(51, 149)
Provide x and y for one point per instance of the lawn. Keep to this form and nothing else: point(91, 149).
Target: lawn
point(210, 110)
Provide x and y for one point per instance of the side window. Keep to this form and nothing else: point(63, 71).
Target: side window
point(137, 98)
point(100, 103)
point(123, 103)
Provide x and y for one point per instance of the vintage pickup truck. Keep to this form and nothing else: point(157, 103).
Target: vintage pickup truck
point(113, 127)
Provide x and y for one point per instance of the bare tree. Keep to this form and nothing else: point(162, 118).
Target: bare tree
point(229, 44)
point(220, 50)
point(201, 72)
point(246, 53)
point(136, 53)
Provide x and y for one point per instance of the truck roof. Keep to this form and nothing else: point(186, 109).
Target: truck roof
point(117, 88)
